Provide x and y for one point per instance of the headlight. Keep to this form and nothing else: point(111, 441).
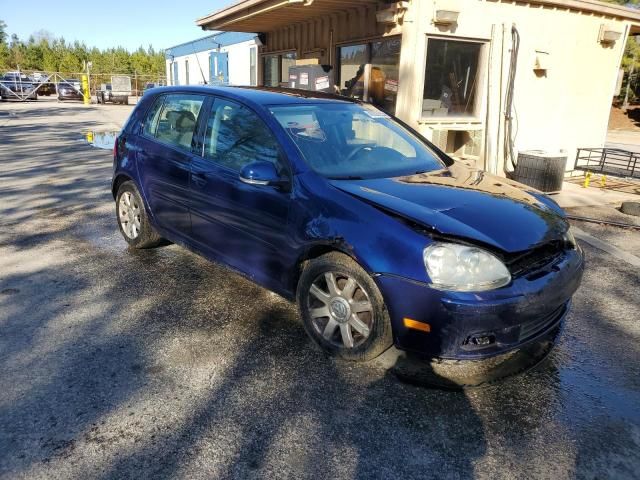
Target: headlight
point(465, 269)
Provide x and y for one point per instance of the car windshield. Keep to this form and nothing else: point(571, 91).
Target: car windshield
point(353, 141)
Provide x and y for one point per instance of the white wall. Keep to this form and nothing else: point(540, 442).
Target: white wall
point(239, 62)
point(239, 65)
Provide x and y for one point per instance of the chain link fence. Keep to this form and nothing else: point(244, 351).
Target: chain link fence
point(26, 85)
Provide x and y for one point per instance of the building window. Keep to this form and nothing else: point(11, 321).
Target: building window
point(287, 60)
point(186, 72)
point(371, 72)
point(385, 73)
point(276, 68)
point(271, 78)
point(253, 66)
point(353, 60)
point(451, 78)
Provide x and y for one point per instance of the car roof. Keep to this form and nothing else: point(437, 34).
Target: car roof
point(262, 95)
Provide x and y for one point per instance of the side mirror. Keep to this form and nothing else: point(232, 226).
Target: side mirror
point(262, 173)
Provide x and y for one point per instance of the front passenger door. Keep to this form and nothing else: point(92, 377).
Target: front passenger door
point(245, 225)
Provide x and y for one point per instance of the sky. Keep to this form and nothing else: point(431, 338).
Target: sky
point(113, 23)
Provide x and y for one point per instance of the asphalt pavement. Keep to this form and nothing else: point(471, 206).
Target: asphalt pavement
point(158, 364)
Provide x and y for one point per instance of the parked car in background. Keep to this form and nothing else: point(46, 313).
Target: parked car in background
point(150, 85)
point(70, 90)
point(43, 87)
point(16, 85)
point(104, 93)
point(118, 91)
point(379, 236)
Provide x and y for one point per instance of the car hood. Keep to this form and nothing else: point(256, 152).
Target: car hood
point(460, 201)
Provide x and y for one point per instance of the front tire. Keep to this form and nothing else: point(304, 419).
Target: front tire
point(133, 220)
point(342, 308)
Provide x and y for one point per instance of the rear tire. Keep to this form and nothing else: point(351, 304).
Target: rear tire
point(342, 308)
point(133, 220)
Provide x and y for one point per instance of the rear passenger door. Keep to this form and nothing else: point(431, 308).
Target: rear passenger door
point(166, 149)
point(245, 225)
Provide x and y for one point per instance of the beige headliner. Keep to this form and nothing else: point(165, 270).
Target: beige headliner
point(266, 15)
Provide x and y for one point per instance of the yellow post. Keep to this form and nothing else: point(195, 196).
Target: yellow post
point(85, 90)
point(603, 181)
point(587, 180)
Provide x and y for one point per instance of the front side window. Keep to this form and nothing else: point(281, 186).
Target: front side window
point(176, 122)
point(352, 141)
point(451, 78)
point(236, 137)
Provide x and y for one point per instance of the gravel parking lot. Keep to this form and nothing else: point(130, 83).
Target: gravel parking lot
point(159, 364)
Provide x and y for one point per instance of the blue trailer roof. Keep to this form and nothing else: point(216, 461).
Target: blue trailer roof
point(211, 42)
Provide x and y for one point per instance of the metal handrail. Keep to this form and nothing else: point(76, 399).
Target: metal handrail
point(613, 161)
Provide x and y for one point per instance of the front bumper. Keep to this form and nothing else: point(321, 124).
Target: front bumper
point(509, 318)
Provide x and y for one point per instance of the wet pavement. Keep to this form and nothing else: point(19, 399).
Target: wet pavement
point(100, 139)
point(159, 364)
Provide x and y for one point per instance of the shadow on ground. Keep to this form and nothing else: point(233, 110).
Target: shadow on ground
point(159, 364)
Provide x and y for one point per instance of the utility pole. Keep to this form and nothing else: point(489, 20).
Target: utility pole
point(625, 104)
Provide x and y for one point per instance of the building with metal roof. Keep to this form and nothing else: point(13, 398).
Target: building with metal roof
point(221, 58)
point(483, 79)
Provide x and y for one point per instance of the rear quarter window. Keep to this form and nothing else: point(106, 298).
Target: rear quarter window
point(150, 124)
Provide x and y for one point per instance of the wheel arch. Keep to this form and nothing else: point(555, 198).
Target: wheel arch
point(117, 182)
point(318, 250)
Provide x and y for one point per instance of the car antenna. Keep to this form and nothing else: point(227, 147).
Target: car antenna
point(200, 66)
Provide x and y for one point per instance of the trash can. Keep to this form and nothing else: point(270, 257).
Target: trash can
point(541, 170)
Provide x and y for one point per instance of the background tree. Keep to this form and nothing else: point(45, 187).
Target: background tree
point(631, 55)
point(3, 32)
point(42, 51)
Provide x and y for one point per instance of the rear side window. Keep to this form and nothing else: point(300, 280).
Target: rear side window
point(151, 120)
point(236, 137)
point(173, 121)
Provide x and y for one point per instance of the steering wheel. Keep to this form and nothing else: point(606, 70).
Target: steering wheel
point(358, 150)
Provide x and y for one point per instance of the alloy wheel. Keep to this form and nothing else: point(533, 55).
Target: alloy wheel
point(340, 309)
point(129, 213)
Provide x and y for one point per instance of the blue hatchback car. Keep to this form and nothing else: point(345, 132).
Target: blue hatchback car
point(380, 237)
